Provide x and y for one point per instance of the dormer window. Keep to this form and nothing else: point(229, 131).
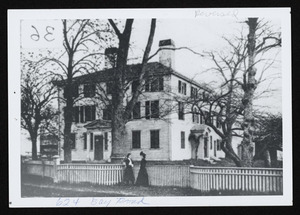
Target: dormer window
point(155, 84)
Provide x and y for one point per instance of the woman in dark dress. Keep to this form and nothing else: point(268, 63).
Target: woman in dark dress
point(142, 178)
point(128, 172)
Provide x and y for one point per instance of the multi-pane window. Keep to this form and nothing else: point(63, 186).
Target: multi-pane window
point(180, 110)
point(91, 141)
point(195, 115)
point(136, 113)
point(136, 139)
point(182, 135)
point(155, 84)
point(84, 141)
point(211, 142)
point(181, 87)
point(154, 139)
point(89, 90)
point(194, 92)
point(152, 109)
point(84, 113)
point(105, 140)
point(73, 140)
point(107, 112)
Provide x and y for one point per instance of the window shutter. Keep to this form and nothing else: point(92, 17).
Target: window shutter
point(85, 141)
point(91, 141)
point(147, 110)
point(81, 114)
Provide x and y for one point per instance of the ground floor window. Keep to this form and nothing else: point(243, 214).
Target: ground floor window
point(154, 139)
point(136, 139)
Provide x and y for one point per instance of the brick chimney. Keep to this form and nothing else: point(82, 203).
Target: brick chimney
point(110, 57)
point(167, 56)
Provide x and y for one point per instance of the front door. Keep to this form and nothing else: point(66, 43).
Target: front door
point(98, 147)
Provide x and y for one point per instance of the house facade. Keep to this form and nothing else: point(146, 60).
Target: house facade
point(161, 123)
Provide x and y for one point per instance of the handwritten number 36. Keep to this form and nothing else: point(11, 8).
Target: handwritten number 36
point(48, 36)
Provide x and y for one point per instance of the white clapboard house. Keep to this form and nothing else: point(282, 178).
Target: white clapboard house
point(161, 138)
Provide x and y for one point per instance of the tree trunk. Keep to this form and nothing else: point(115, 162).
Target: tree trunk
point(267, 159)
point(68, 122)
point(34, 147)
point(249, 88)
point(229, 152)
point(118, 114)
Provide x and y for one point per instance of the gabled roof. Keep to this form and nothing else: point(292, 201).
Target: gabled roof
point(153, 68)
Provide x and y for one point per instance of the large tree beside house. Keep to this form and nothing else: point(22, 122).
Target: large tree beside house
point(260, 41)
point(120, 111)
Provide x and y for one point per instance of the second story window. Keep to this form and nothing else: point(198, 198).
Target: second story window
point(152, 109)
point(84, 113)
point(194, 92)
point(181, 87)
point(89, 90)
point(107, 112)
point(195, 115)
point(180, 110)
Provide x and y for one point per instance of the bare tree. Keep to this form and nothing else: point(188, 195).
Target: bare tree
point(36, 96)
point(231, 101)
point(82, 40)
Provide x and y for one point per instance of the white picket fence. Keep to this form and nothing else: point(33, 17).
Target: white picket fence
point(236, 178)
point(258, 180)
point(103, 174)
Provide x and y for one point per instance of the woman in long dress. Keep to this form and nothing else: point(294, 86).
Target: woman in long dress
point(128, 172)
point(142, 178)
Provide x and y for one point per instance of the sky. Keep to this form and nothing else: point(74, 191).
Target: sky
point(205, 35)
point(197, 34)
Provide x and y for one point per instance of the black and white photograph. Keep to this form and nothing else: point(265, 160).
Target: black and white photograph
point(150, 107)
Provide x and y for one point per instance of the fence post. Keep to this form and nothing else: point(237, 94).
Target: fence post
point(44, 157)
point(55, 172)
